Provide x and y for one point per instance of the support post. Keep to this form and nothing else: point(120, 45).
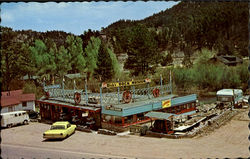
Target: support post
point(118, 93)
point(86, 91)
point(170, 80)
point(148, 90)
point(133, 94)
point(51, 112)
point(161, 84)
point(134, 118)
point(101, 95)
point(74, 86)
point(123, 121)
point(166, 125)
point(232, 107)
point(44, 83)
point(161, 80)
point(63, 88)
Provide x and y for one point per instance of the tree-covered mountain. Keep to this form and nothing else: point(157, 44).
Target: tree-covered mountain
point(188, 27)
point(53, 54)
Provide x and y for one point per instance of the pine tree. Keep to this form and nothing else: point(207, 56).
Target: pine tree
point(92, 51)
point(74, 47)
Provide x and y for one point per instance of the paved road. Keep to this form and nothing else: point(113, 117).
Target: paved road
point(26, 141)
point(27, 152)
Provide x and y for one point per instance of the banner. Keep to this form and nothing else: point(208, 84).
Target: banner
point(127, 83)
point(166, 103)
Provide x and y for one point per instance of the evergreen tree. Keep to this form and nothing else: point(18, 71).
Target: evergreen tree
point(142, 49)
point(108, 66)
point(63, 62)
point(74, 47)
point(11, 58)
point(43, 59)
point(91, 51)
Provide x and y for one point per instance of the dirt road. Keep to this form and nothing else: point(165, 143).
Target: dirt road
point(230, 140)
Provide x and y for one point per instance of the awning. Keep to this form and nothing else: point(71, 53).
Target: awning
point(159, 115)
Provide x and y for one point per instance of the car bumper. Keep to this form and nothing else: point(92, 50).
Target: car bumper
point(53, 136)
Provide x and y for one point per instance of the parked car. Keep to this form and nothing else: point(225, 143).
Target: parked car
point(32, 114)
point(14, 118)
point(59, 130)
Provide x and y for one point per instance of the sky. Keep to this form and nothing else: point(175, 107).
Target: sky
point(75, 17)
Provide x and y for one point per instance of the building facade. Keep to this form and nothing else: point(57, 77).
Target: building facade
point(16, 101)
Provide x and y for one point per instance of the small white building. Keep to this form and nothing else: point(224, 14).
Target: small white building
point(17, 101)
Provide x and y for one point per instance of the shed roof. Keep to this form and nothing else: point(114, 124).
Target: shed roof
point(229, 92)
point(68, 104)
point(12, 93)
point(15, 97)
point(27, 97)
point(8, 101)
point(159, 115)
point(139, 104)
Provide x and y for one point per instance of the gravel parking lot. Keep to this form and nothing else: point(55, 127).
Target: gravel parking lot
point(230, 140)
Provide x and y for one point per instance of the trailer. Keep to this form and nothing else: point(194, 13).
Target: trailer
point(229, 97)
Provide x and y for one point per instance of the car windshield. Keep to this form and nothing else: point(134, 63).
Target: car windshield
point(53, 127)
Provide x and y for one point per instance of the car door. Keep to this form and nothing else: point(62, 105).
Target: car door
point(69, 131)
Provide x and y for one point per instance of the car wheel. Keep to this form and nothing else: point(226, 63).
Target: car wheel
point(25, 122)
point(9, 125)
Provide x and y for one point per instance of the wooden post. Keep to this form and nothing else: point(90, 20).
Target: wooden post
point(123, 121)
point(51, 112)
point(166, 125)
point(134, 118)
point(40, 109)
point(112, 119)
point(118, 92)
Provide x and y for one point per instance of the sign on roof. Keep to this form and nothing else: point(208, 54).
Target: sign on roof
point(52, 86)
point(126, 83)
point(166, 103)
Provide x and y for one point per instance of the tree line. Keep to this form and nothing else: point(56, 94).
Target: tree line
point(186, 27)
point(53, 59)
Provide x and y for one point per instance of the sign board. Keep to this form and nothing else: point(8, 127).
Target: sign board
point(166, 103)
point(52, 86)
point(126, 83)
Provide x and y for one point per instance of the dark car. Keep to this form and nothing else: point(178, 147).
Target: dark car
point(32, 114)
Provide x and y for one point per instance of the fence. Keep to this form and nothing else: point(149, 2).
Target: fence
point(107, 96)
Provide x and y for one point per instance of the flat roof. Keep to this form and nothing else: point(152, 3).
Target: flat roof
point(160, 115)
point(228, 92)
point(140, 103)
point(69, 104)
point(184, 127)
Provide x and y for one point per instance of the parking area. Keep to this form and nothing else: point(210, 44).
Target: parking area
point(223, 142)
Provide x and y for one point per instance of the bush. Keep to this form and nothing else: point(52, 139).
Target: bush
point(30, 87)
point(211, 77)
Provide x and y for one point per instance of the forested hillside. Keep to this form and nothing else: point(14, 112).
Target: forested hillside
point(188, 27)
point(52, 55)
